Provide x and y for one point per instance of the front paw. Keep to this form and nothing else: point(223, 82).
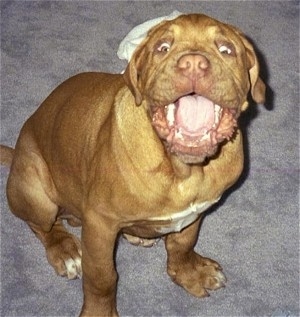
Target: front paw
point(197, 274)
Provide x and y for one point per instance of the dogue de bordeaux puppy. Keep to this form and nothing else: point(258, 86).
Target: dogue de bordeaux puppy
point(144, 153)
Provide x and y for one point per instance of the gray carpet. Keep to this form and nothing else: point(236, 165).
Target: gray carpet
point(254, 233)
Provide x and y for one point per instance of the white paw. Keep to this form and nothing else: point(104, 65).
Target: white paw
point(220, 279)
point(73, 268)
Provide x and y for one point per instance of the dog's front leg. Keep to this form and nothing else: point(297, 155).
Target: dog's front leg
point(99, 274)
point(188, 269)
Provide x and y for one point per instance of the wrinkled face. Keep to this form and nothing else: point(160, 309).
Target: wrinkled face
point(194, 74)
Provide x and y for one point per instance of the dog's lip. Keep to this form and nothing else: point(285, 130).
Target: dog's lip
point(223, 104)
point(198, 131)
point(168, 113)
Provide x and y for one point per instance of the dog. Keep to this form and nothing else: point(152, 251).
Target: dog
point(144, 154)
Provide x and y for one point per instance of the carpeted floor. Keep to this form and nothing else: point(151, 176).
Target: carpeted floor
point(254, 233)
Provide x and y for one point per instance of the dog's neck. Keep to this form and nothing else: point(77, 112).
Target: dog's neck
point(138, 124)
point(165, 174)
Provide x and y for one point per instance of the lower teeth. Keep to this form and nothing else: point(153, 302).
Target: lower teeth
point(205, 137)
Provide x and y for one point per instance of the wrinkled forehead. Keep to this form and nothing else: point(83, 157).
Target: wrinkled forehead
point(194, 26)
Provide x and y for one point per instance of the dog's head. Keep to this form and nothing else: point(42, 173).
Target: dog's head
point(194, 74)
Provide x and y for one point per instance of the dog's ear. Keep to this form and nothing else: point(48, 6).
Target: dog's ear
point(132, 74)
point(258, 88)
point(134, 70)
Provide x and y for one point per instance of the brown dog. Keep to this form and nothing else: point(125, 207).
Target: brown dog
point(144, 153)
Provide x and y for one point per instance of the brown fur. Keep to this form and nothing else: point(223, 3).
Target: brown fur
point(6, 155)
point(91, 156)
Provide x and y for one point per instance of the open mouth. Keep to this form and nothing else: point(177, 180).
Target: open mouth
point(193, 126)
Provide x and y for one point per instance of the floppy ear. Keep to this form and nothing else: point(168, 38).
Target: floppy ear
point(258, 88)
point(133, 72)
point(131, 76)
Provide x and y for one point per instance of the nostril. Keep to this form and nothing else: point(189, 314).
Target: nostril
point(188, 64)
point(202, 62)
point(184, 62)
point(203, 65)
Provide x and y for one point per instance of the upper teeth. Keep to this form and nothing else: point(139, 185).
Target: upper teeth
point(171, 114)
point(218, 111)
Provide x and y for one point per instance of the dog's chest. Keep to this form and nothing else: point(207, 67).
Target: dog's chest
point(179, 220)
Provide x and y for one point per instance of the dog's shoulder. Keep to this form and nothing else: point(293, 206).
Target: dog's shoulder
point(92, 84)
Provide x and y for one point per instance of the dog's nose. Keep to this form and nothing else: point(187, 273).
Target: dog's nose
point(193, 63)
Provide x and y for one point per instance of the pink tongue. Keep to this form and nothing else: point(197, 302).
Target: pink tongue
point(195, 114)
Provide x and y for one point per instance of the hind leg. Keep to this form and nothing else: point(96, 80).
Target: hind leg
point(62, 248)
point(31, 196)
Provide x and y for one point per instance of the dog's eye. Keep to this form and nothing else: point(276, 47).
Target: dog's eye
point(164, 47)
point(225, 50)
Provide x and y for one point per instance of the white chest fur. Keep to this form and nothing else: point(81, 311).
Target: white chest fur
point(182, 219)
